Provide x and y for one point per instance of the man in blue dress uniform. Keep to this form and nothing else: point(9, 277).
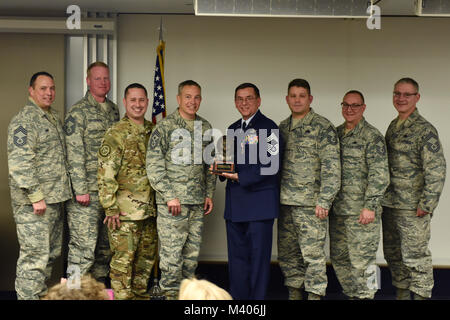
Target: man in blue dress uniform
point(252, 196)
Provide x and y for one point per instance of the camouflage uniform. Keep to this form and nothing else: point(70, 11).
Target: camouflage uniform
point(124, 187)
point(37, 171)
point(85, 125)
point(190, 182)
point(417, 169)
point(364, 179)
point(310, 176)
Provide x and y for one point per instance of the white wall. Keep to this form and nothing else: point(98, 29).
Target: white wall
point(334, 55)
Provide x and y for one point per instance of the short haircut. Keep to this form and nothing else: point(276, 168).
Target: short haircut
point(89, 289)
point(410, 81)
point(302, 83)
point(137, 86)
point(355, 92)
point(188, 83)
point(247, 85)
point(36, 75)
point(96, 64)
point(194, 289)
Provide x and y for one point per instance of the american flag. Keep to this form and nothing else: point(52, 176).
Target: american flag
point(159, 91)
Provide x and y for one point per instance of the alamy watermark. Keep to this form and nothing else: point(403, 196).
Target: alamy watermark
point(73, 277)
point(74, 20)
point(252, 147)
point(374, 20)
point(374, 277)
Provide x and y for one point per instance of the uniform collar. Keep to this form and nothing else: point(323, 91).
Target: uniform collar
point(306, 120)
point(90, 98)
point(180, 120)
point(147, 127)
point(252, 120)
point(357, 129)
point(411, 119)
point(40, 110)
point(247, 122)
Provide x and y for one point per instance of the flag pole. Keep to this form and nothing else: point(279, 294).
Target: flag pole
point(159, 91)
point(161, 30)
point(155, 291)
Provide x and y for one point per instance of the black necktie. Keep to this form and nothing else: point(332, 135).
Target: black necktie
point(244, 126)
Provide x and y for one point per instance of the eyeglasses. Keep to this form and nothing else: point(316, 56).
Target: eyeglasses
point(405, 95)
point(353, 106)
point(241, 100)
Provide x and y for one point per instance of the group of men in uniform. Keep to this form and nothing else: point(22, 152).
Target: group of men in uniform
point(128, 184)
point(51, 165)
point(359, 181)
point(95, 166)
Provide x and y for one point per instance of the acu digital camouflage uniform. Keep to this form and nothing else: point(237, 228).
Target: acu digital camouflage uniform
point(417, 169)
point(124, 187)
point(37, 171)
point(364, 179)
point(186, 178)
point(85, 125)
point(310, 176)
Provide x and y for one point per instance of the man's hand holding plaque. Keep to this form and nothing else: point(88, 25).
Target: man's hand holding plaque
point(223, 162)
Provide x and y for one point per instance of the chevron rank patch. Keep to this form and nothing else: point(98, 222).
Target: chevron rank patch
point(20, 136)
point(69, 126)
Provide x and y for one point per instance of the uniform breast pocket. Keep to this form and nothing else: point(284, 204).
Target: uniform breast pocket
point(49, 157)
point(306, 149)
point(135, 159)
point(306, 163)
point(93, 137)
point(48, 140)
point(353, 162)
point(307, 142)
point(404, 145)
point(95, 128)
point(353, 151)
point(181, 151)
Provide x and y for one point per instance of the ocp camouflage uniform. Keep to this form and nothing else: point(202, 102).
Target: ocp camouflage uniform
point(124, 187)
point(417, 168)
point(310, 176)
point(177, 170)
point(37, 171)
point(364, 179)
point(85, 125)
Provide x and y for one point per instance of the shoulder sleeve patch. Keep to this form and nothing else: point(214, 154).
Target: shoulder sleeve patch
point(104, 150)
